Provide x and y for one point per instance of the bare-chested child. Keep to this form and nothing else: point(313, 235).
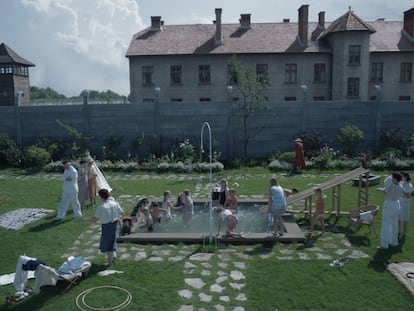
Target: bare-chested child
point(157, 212)
point(319, 210)
point(167, 205)
point(146, 221)
point(231, 201)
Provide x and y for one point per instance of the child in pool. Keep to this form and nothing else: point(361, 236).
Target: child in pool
point(230, 219)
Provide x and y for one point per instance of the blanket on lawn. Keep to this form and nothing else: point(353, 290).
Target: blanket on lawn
point(9, 278)
point(17, 219)
point(404, 273)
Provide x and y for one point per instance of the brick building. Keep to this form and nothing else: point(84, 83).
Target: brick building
point(348, 59)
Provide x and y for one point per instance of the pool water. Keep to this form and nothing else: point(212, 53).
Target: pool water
point(250, 221)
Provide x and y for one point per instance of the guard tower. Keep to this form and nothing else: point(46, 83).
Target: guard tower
point(14, 78)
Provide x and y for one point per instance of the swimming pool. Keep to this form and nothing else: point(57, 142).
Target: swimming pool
point(253, 224)
point(250, 221)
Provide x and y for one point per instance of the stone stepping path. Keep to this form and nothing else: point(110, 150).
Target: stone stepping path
point(226, 265)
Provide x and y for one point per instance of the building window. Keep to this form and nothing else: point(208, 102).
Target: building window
point(290, 98)
point(406, 72)
point(147, 75)
point(319, 98)
point(204, 74)
point(290, 73)
point(376, 72)
point(176, 75)
point(231, 75)
point(262, 73)
point(205, 99)
point(20, 70)
point(176, 100)
point(319, 73)
point(354, 55)
point(353, 87)
point(404, 98)
point(6, 69)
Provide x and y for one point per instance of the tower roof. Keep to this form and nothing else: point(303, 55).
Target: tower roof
point(348, 22)
point(8, 56)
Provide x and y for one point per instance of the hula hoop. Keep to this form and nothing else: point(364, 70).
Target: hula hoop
point(81, 304)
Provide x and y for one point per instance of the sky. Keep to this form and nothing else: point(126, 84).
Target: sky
point(81, 44)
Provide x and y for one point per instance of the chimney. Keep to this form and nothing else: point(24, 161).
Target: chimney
point(286, 20)
point(244, 21)
point(320, 27)
point(409, 22)
point(218, 39)
point(321, 20)
point(303, 25)
point(156, 23)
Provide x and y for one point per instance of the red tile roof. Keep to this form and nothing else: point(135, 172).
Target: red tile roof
point(348, 22)
point(261, 38)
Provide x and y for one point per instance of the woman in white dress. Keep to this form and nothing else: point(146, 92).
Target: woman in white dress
point(83, 193)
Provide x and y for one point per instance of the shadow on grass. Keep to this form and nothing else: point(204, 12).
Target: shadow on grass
point(36, 301)
point(311, 239)
point(359, 240)
point(260, 250)
point(382, 257)
point(47, 225)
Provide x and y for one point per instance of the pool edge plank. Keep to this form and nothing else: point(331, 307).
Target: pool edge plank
point(293, 234)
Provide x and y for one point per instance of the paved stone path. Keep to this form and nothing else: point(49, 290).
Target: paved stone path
point(228, 264)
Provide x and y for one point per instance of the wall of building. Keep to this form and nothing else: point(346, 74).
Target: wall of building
point(163, 124)
point(335, 87)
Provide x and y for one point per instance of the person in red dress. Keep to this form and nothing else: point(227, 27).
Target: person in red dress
point(299, 160)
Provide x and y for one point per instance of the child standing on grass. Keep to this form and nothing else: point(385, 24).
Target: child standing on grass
point(319, 210)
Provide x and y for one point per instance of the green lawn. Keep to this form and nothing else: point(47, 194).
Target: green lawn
point(271, 283)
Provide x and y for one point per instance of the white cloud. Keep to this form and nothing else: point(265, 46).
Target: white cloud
point(83, 33)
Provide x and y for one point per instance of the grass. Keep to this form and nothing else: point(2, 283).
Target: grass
point(271, 283)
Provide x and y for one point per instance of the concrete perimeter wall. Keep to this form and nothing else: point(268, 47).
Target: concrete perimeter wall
point(166, 123)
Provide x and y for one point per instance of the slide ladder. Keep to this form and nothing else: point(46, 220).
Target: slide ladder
point(334, 184)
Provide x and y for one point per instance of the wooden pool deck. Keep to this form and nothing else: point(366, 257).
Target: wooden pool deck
point(293, 234)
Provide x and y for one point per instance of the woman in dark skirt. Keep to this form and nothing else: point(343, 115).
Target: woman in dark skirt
point(109, 214)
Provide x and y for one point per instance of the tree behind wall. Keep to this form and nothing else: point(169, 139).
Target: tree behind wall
point(249, 90)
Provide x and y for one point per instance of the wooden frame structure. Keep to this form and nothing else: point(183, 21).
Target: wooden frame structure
point(334, 184)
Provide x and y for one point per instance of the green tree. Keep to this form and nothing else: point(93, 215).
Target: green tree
point(251, 88)
point(44, 93)
point(113, 142)
point(10, 153)
point(81, 141)
point(106, 96)
point(349, 136)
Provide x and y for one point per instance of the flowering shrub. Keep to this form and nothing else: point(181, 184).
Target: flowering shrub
point(277, 165)
point(287, 157)
point(325, 157)
point(185, 152)
point(205, 167)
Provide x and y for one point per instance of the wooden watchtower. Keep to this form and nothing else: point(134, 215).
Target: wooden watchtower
point(14, 78)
